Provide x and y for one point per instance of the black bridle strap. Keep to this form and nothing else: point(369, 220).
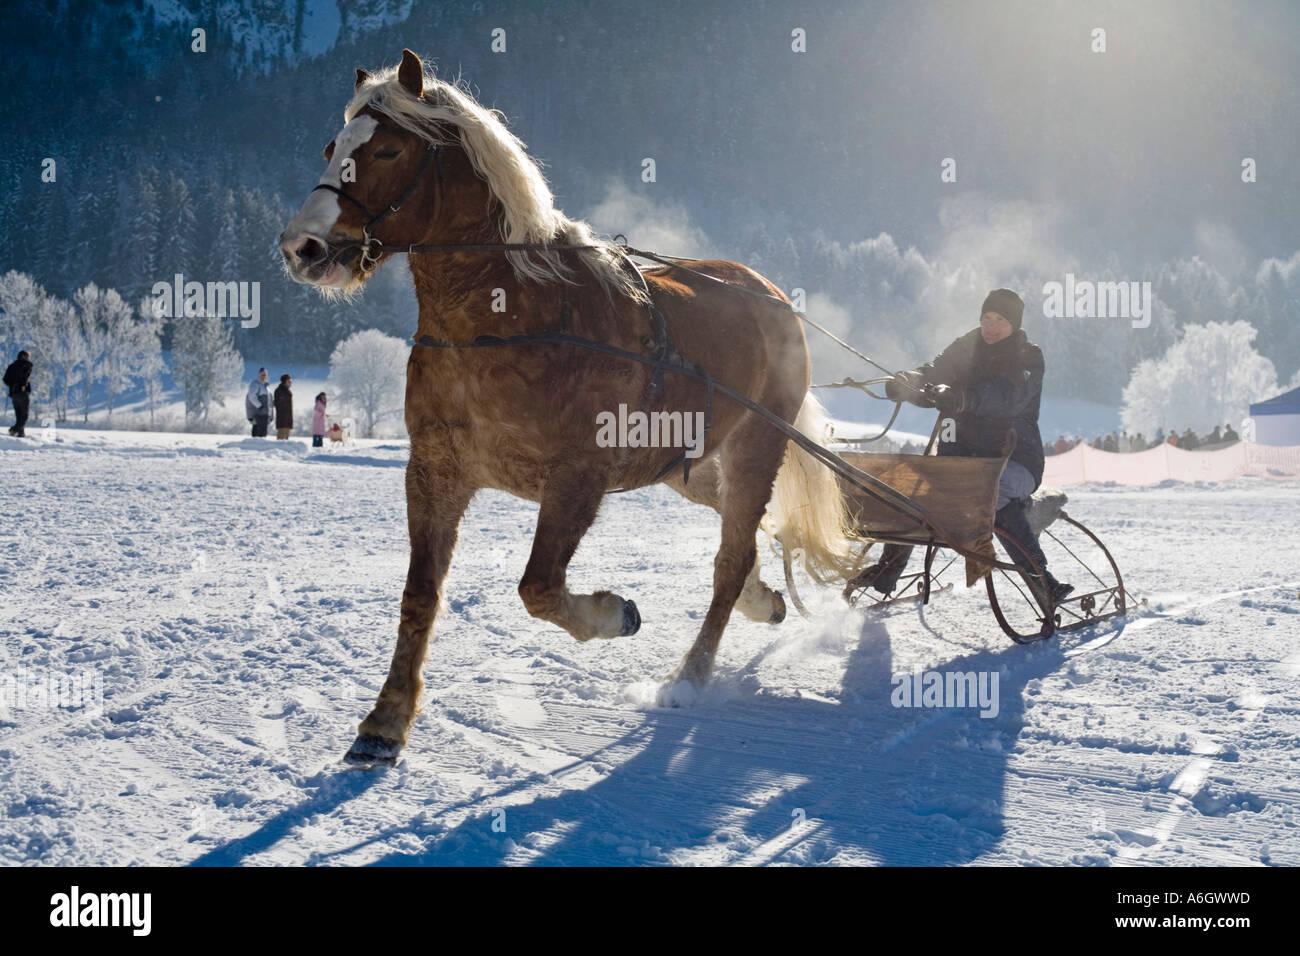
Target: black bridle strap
point(431, 153)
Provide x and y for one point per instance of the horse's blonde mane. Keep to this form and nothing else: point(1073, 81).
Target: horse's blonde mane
point(528, 212)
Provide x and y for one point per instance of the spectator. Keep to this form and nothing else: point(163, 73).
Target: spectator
point(1062, 446)
point(1172, 439)
point(18, 376)
point(1139, 442)
point(1096, 443)
point(318, 422)
point(1110, 443)
point(1189, 440)
point(257, 404)
point(1159, 439)
point(1215, 437)
point(284, 407)
point(1228, 434)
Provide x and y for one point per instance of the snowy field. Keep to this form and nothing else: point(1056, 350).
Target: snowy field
point(238, 600)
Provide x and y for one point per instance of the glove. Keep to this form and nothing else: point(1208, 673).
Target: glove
point(904, 387)
point(949, 400)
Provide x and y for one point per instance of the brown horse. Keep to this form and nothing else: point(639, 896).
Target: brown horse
point(420, 162)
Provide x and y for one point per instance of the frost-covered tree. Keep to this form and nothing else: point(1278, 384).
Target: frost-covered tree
point(56, 353)
point(118, 340)
point(90, 303)
point(368, 374)
point(20, 301)
point(1209, 376)
point(204, 363)
point(146, 351)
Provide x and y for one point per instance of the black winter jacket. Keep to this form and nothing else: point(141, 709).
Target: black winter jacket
point(18, 377)
point(1004, 386)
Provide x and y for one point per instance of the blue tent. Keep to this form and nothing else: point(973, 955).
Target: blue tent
point(1288, 403)
point(1277, 421)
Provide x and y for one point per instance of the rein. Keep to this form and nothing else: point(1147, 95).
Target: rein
point(665, 358)
point(676, 362)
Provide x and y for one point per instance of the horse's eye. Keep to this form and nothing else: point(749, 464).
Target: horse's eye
point(388, 154)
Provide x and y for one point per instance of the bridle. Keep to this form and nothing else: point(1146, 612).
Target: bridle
point(369, 259)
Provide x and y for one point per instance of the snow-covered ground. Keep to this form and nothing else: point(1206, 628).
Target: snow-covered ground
point(238, 600)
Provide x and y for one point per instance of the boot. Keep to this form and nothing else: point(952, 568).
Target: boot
point(883, 575)
point(1012, 524)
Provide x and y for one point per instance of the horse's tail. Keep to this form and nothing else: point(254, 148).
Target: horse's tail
point(808, 511)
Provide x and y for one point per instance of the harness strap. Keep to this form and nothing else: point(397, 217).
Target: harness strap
point(864, 482)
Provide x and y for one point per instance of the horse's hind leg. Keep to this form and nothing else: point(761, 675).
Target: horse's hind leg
point(570, 501)
point(749, 463)
point(435, 502)
point(757, 601)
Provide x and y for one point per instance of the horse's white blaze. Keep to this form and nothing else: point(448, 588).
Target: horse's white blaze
point(321, 210)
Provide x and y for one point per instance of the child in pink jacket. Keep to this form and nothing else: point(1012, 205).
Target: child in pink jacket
point(318, 422)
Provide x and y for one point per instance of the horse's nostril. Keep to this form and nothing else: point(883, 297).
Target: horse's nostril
point(303, 251)
point(311, 250)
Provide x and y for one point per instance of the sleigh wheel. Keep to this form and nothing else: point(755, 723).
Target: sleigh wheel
point(1023, 609)
point(1075, 555)
point(1078, 556)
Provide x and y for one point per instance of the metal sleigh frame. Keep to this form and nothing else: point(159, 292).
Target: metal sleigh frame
point(1023, 611)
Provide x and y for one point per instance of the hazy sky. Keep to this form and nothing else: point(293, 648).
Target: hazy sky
point(1137, 149)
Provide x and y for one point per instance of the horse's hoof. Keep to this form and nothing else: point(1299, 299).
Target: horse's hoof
point(778, 612)
point(369, 749)
point(677, 691)
point(631, 619)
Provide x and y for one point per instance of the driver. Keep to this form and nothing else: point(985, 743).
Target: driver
point(988, 380)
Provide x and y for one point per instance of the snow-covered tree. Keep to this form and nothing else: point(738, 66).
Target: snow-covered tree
point(118, 340)
point(146, 352)
point(56, 353)
point(20, 301)
point(368, 374)
point(204, 362)
point(1209, 376)
point(90, 303)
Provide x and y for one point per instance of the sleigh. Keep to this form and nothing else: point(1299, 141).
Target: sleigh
point(959, 497)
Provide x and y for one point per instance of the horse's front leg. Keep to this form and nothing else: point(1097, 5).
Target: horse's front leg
point(435, 501)
point(569, 504)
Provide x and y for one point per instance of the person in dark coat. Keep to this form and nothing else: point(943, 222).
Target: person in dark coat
point(257, 404)
point(284, 407)
point(989, 380)
point(18, 376)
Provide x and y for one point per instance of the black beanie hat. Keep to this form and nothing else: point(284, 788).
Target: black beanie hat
point(1006, 304)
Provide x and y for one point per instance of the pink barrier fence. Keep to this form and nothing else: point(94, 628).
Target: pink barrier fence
point(1083, 463)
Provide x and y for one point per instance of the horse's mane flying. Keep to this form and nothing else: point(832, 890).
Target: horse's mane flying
point(528, 212)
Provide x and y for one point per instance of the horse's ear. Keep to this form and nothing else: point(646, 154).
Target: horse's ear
point(362, 76)
point(411, 73)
